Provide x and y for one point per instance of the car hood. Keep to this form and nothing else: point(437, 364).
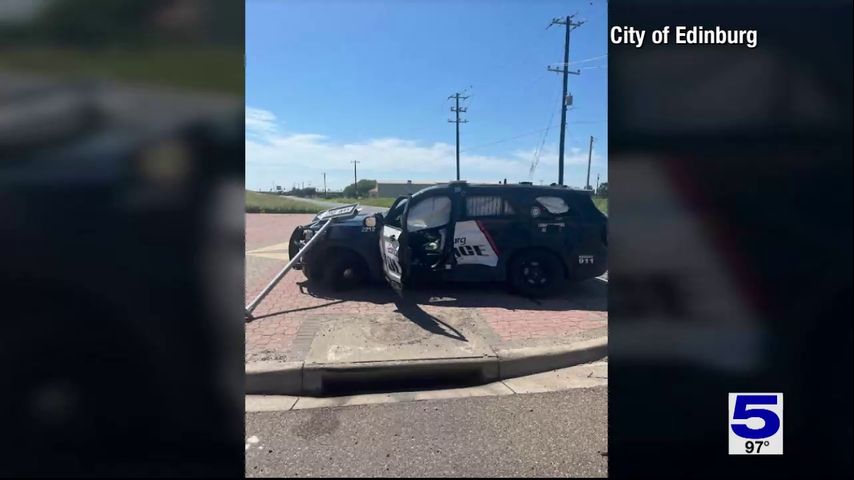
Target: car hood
point(357, 220)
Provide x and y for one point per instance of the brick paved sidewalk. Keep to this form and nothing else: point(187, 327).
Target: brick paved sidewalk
point(294, 311)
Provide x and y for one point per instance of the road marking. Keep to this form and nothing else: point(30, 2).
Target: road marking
point(278, 251)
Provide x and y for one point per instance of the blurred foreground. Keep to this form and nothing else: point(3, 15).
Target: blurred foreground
point(121, 241)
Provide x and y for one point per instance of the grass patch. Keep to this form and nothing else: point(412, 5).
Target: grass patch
point(373, 202)
point(266, 203)
point(601, 204)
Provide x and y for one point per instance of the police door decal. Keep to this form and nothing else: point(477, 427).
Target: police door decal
point(473, 245)
point(389, 248)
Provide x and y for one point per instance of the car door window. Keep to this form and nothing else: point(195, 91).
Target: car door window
point(430, 212)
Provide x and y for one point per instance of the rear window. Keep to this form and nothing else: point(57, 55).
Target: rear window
point(553, 205)
point(488, 206)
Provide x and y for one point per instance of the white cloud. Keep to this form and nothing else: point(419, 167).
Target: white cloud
point(260, 121)
point(275, 157)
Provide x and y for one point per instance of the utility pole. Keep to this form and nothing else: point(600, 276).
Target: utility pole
point(566, 99)
point(324, 185)
point(355, 179)
point(597, 182)
point(589, 156)
point(457, 109)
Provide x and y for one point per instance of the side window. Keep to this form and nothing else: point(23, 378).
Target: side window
point(488, 206)
point(430, 212)
point(393, 219)
point(553, 205)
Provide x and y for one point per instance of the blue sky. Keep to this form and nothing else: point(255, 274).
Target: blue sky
point(331, 81)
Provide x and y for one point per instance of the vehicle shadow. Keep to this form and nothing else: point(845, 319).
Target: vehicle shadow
point(414, 313)
point(589, 295)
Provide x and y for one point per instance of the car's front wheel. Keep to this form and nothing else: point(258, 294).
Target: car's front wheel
point(345, 271)
point(537, 273)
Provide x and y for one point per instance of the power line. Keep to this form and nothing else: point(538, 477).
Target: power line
point(540, 149)
point(526, 134)
point(542, 145)
point(588, 59)
point(502, 140)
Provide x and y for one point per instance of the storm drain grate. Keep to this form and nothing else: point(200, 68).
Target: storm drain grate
point(336, 383)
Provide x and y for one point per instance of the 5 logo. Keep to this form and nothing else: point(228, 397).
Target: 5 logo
point(755, 423)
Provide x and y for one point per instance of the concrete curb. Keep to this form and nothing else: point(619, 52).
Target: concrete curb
point(274, 378)
point(518, 362)
point(314, 379)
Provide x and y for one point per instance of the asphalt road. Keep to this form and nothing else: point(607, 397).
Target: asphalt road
point(551, 434)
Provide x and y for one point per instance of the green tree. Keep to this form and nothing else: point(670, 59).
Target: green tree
point(361, 189)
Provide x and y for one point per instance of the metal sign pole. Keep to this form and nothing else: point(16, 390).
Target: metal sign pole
point(269, 287)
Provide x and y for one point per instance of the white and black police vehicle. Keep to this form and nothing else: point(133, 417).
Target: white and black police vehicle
point(536, 238)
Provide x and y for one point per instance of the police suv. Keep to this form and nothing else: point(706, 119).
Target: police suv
point(536, 238)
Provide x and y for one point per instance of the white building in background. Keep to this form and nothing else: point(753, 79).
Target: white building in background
point(394, 188)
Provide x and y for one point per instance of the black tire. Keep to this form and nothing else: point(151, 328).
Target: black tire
point(293, 243)
point(537, 273)
point(346, 270)
point(310, 272)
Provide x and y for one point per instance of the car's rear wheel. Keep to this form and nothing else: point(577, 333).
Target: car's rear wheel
point(537, 273)
point(345, 271)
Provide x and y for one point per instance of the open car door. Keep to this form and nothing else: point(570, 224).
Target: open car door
point(390, 244)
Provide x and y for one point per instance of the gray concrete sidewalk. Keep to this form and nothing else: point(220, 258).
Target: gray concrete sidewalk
point(308, 341)
point(389, 352)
